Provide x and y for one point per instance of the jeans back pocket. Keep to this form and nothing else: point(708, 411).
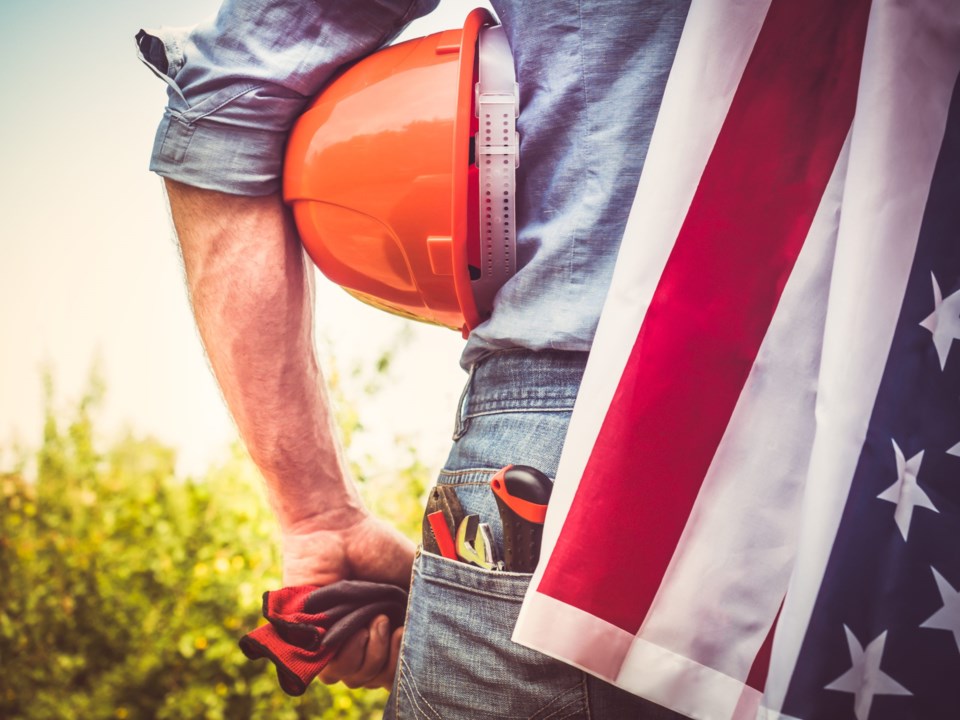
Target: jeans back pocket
point(457, 659)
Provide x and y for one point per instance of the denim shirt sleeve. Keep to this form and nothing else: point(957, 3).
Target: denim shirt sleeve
point(237, 83)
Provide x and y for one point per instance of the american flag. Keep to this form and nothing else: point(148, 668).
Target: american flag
point(757, 511)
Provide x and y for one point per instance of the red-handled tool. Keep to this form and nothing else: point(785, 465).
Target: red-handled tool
point(444, 540)
point(441, 519)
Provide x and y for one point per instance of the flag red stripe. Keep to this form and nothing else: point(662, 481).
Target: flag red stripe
point(720, 287)
point(757, 677)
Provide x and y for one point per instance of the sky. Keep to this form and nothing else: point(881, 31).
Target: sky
point(89, 269)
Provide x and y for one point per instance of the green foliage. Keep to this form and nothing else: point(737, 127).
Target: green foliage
point(125, 588)
point(396, 492)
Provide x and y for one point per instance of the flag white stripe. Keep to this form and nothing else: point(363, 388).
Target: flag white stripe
point(895, 140)
point(695, 690)
point(574, 636)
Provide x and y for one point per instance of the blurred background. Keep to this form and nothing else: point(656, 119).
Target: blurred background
point(134, 538)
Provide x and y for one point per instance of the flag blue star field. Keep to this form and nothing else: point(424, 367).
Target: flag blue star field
point(883, 640)
point(757, 509)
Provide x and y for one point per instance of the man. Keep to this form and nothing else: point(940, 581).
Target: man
point(591, 77)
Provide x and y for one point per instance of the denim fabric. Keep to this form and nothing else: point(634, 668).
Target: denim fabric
point(237, 83)
point(591, 76)
point(457, 661)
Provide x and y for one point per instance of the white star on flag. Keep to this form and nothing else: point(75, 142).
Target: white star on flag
point(955, 450)
point(865, 679)
point(948, 616)
point(944, 321)
point(905, 493)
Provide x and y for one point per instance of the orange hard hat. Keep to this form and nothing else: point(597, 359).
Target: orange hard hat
point(401, 193)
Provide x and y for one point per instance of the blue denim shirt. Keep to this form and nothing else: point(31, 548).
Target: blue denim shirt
point(591, 76)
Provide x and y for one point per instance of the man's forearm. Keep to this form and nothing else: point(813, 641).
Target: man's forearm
point(251, 294)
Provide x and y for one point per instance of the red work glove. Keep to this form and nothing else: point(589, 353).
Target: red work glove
point(307, 625)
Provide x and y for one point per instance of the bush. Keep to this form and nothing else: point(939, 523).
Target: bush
point(125, 588)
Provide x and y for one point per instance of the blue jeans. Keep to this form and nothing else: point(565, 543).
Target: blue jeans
point(457, 660)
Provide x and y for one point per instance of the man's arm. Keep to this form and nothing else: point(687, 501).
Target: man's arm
point(236, 85)
point(251, 292)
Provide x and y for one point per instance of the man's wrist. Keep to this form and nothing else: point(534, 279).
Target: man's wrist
point(333, 517)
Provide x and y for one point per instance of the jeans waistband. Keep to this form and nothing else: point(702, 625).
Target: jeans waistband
point(512, 380)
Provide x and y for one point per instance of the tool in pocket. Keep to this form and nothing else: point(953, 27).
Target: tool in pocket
point(522, 493)
point(442, 518)
point(475, 544)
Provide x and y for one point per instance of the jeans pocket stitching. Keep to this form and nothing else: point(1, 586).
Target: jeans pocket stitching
point(406, 683)
point(564, 710)
point(416, 699)
point(406, 620)
point(445, 472)
point(505, 596)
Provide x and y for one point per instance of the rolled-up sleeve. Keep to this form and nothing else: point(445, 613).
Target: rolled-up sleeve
point(236, 84)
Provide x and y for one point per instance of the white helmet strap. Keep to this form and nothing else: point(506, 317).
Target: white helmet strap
point(497, 150)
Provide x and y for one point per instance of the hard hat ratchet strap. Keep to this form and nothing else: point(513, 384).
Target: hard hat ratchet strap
point(497, 105)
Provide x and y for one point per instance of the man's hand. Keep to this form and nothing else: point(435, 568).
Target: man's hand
point(367, 549)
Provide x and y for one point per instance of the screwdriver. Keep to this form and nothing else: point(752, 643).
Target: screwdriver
point(522, 493)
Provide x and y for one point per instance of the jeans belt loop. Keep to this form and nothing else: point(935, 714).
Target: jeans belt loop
point(462, 422)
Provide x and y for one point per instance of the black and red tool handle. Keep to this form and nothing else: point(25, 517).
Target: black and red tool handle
point(522, 494)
